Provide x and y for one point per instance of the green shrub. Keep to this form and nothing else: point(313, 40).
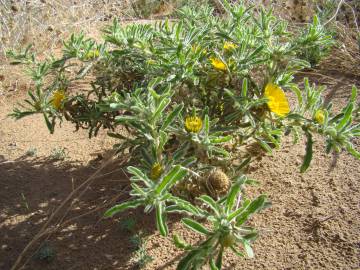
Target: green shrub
point(183, 98)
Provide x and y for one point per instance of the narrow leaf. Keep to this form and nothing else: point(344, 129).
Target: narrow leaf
point(180, 243)
point(160, 220)
point(248, 249)
point(162, 106)
point(256, 205)
point(176, 174)
point(231, 198)
point(211, 203)
point(308, 154)
point(122, 207)
point(207, 126)
point(244, 88)
point(49, 125)
point(138, 173)
point(185, 262)
point(219, 258)
point(195, 226)
point(347, 116)
point(250, 208)
point(170, 118)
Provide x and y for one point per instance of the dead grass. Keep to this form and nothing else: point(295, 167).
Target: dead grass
point(45, 23)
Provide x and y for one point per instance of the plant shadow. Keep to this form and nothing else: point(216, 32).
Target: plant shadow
point(32, 189)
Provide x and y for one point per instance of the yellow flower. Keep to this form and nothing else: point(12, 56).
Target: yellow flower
point(156, 171)
point(319, 116)
point(193, 124)
point(228, 46)
point(195, 47)
point(92, 54)
point(217, 63)
point(277, 101)
point(151, 62)
point(221, 108)
point(57, 99)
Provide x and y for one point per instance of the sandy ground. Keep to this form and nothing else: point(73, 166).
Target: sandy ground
point(313, 224)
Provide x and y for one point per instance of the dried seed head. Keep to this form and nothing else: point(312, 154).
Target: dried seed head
point(218, 182)
point(228, 240)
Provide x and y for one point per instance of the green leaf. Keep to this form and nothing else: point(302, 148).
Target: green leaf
point(117, 136)
point(255, 52)
point(122, 207)
point(244, 88)
point(126, 119)
point(181, 205)
point(181, 151)
point(188, 162)
point(162, 106)
point(212, 264)
point(207, 126)
point(211, 203)
point(347, 116)
point(308, 154)
point(265, 146)
point(185, 262)
point(248, 249)
point(49, 125)
point(250, 208)
point(231, 198)
point(138, 173)
point(180, 243)
point(255, 206)
point(244, 164)
point(353, 94)
point(220, 151)
point(163, 140)
point(221, 139)
point(195, 226)
point(219, 258)
point(176, 174)
point(351, 149)
point(251, 236)
point(170, 118)
point(238, 253)
point(160, 220)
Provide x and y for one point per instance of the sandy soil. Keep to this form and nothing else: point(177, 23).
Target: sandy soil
point(313, 224)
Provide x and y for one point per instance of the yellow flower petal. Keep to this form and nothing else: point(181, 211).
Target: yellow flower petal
point(277, 101)
point(92, 54)
point(195, 48)
point(193, 124)
point(230, 46)
point(217, 63)
point(319, 116)
point(57, 99)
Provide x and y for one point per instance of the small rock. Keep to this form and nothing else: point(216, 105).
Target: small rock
point(5, 247)
point(12, 144)
point(14, 8)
